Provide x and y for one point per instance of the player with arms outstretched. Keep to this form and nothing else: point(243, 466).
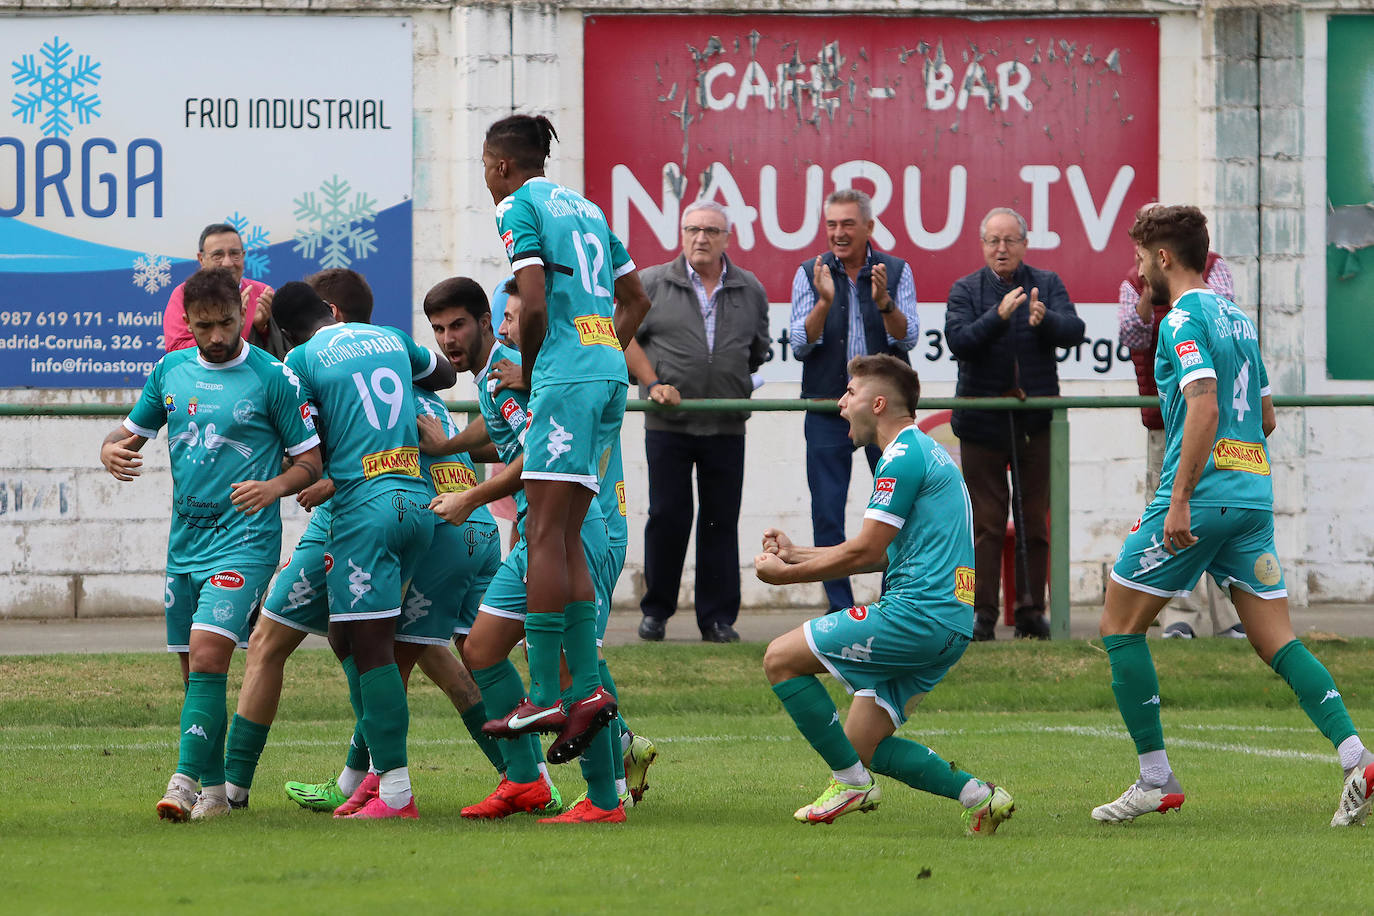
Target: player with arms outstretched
point(889, 655)
point(1213, 513)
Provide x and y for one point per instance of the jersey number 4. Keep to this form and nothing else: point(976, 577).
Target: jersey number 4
point(386, 385)
point(1240, 392)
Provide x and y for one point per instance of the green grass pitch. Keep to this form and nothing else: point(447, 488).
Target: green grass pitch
point(87, 744)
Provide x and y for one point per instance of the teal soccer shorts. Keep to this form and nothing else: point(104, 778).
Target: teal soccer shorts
point(443, 598)
point(219, 600)
point(571, 430)
point(1234, 545)
point(374, 551)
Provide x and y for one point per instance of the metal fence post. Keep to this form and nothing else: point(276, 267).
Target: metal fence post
point(1059, 524)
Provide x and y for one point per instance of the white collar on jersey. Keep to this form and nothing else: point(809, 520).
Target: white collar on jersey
point(229, 364)
point(1195, 289)
point(533, 178)
point(491, 356)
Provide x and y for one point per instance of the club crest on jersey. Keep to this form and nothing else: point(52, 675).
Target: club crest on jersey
point(169, 404)
point(858, 612)
point(1188, 354)
point(328, 562)
point(191, 406)
point(228, 579)
point(883, 488)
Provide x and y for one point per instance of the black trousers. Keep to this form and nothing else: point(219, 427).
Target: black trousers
point(719, 463)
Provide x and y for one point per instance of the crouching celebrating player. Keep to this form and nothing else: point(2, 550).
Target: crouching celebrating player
point(918, 527)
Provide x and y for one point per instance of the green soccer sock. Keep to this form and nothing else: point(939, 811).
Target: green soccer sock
point(598, 763)
point(807, 702)
point(617, 728)
point(386, 717)
point(473, 719)
point(579, 647)
point(919, 767)
point(245, 744)
point(502, 690)
point(1316, 691)
point(544, 639)
point(1136, 686)
point(359, 758)
point(203, 719)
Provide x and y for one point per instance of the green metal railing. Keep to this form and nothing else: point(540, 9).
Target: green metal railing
point(1059, 445)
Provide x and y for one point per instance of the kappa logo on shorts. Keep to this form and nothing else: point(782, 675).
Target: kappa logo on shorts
point(302, 592)
point(1188, 354)
point(228, 579)
point(858, 612)
point(357, 583)
point(558, 442)
point(417, 605)
point(328, 562)
point(859, 651)
point(223, 612)
point(883, 488)
point(1152, 557)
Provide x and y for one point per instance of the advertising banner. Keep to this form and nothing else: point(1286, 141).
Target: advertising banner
point(938, 119)
point(124, 136)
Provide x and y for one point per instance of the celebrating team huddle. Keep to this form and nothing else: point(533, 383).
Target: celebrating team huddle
point(402, 557)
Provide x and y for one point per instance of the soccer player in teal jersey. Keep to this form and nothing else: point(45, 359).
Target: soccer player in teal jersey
point(582, 303)
point(1213, 513)
point(230, 410)
point(359, 377)
point(918, 527)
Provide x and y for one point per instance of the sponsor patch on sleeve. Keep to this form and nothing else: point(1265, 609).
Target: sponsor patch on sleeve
point(508, 239)
point(305, 416)
point(515, 415)
point(883, 488)
point(1188, 355)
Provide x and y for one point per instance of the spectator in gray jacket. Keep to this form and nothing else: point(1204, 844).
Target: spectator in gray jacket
point(704, 338)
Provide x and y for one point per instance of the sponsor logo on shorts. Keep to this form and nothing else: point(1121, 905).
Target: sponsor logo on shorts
point(191, 406)
point(228, 579)
point(596, 330)
point(1188, 354)
point(223, 612)
point(858, 612)
point(825, 624)
point(1236, 455)
point(883, 488)
point(963, 584)
point(508, 239)
point(1136, 526)
point(452, 476)
point(620, 497)
point(516, 417)
point(404, 461)
point(328, 562)
point(169, 404)
point(1267, 569)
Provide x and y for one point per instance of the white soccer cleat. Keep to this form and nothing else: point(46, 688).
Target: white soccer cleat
point(210, 804)
point(180, 799)
point(838, 799)
point(984, 818)
point(1353, 809)
point(1138, 800)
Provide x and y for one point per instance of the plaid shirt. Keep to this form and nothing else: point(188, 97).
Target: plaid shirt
point(707, 302)
point(1135, 334)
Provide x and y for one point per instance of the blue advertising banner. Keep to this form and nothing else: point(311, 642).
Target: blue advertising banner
point(127, 135)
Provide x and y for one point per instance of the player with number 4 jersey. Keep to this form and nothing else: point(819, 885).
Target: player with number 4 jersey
point(1213, 514)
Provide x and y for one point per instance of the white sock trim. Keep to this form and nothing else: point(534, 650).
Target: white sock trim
point(974, 793)
point(395, 787)
point(1154, 768)
point(856, 775)
point(1351, 752)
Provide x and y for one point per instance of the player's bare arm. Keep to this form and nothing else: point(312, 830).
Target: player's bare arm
point(470, 439)
point(1199, 432)
point(865, 552)
point(455, 508)
point(507, 375)
point(119, 453)
point(250, 496)
point(631, 305)
point(317, 494)
point(534, 317)
point(441, 377)
point(1267, 417)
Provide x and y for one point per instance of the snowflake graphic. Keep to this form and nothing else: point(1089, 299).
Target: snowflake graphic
point(335, 223)
point(256, 260)
point(58, 94)
point(152, 272)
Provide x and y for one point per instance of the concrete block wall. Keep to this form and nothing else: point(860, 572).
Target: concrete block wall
point(1241, 87)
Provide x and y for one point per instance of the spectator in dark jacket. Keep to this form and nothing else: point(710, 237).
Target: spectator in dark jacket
point(1003, 324)
point(704, 338)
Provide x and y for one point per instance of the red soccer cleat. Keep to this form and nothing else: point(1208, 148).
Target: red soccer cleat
point(510, 798)
point(525, 718)
point(585, 718)
point(376, 810)
point(366, 791)
point(584, 812)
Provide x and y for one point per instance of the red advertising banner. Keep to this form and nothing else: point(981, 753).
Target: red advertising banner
point(938, 119)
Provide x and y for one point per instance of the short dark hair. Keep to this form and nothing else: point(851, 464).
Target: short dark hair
point(457, 293)
point(901, 377)
point(298, 309)
point(527, 139)
point(346, 289)
point(209, 287)
point(215, 229)
point(1182, 230)
point(511, 288)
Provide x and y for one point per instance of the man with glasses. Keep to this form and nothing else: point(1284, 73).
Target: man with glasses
point(1003, 324)
point(704, 338)
point(220, 246)
point(851, 301)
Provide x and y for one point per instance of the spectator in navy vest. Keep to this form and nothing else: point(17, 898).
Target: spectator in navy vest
point(704, 338)
point(1003, 324)
point(1183, 618)
point(851, 301)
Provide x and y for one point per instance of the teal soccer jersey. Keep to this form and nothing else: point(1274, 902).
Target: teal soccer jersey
point(506, 413)
point(226, 422)
point(359, 378)
point(918, 489)
point(1205, 336)
point(555, 227)
point(450, 473)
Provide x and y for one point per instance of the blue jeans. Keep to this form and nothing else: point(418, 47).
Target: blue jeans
point(829, 464)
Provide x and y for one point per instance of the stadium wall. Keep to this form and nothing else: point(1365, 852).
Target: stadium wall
point(1242, 100)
